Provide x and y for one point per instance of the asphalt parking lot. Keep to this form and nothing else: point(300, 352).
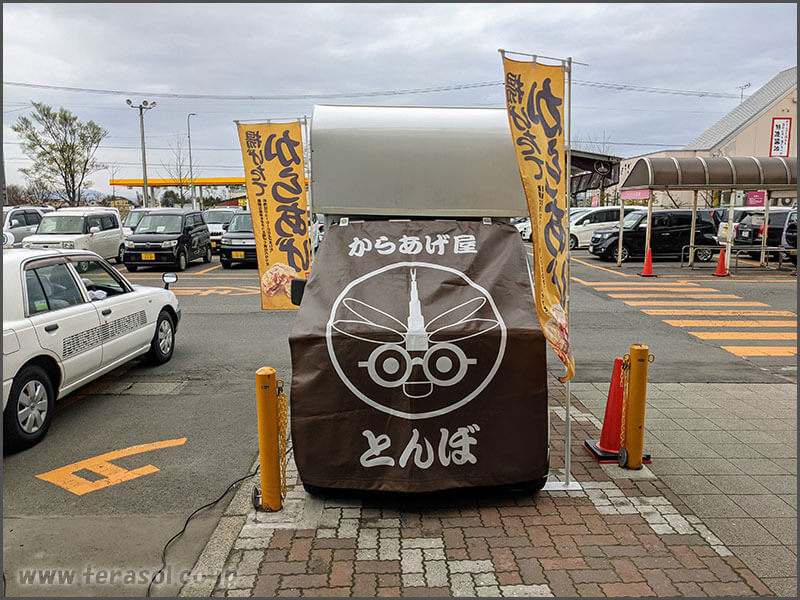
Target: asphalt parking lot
point(206, 395)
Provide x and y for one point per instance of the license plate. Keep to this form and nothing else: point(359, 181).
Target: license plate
point(213, 244)
point(745, 234)
point(591, 248)
point(148, 256)
point(237, 254)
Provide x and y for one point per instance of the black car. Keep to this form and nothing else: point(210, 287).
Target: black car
point(750, 231)
point(238, 242)
point(671, 232)
point(790, 235)
point(172, 237)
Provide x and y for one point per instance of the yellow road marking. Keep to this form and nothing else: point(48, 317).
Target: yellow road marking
point(720, 313)
point(221, 291)
point(622, 288)
point(602, 268)
point(671, 303)
point(702, 323)
point(761, 350)
point(745, 335)
point(208, 270)
point(638, 283)
point(112, 474)
point(673, 295)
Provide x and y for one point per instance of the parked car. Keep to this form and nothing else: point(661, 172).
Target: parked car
point(739, 213)
point(581, 230)
point(94, 229)
point(238, 243)
point(577, 211)
point(671, 232)
point(68, 318)
point(20, 222)
point(750, 230)
point(215, 218)
point(523, 225)
point(168, 237)
point(789, 238)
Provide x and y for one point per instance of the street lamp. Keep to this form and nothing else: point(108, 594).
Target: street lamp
point(191, 176)
point(145, 105)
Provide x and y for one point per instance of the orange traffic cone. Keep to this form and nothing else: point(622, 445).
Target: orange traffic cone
point(721, 270)
point(648, 265)
point(606, 449)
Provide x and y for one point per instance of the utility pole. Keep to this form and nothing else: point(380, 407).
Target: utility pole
point(145, 105)
point(191, 173)
point(742, 88)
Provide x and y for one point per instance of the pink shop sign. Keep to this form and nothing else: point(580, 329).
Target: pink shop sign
point(635, 194)
point(755, 198)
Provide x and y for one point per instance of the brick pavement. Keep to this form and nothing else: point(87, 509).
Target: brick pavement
point(626, 534)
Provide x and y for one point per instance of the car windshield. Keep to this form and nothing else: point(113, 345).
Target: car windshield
point(575, 213)
point(632, 219)
point(241, 222)
point(159, 224)
point(132, 218)
point(218, 217)
point(61, 224)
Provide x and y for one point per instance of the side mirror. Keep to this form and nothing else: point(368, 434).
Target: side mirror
point(93, 230)
point(225, 226)
point(168, 278)
point(584, 222)
point(298, 287)
point(14, 223)
point(187, 229)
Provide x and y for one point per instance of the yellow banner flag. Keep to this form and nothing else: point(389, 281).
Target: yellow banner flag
point(275, 180)
point(535, 103)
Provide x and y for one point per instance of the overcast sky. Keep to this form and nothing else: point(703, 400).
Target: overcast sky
point(141, 50)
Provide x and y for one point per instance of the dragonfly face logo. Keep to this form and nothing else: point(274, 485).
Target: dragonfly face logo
point(408, 339)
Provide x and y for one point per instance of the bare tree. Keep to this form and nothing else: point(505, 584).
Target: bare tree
point(15, 194)
point(113, 169)
point(39, 191)
point(592, 143)
point(178, 169)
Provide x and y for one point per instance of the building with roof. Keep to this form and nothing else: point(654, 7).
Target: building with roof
point(763, 125)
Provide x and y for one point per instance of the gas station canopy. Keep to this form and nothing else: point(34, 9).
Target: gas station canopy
point(723, 173)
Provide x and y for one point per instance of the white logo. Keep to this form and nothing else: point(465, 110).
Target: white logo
point(415, 365)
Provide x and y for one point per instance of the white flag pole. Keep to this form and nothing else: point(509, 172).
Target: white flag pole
point(567, 484)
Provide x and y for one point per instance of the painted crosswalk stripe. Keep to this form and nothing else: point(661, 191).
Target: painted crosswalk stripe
point(745, 335)
point(683, 296)
point(687, 289)
point(680, 303)
point(719, 313)
point(711, 323)
point(761, 350)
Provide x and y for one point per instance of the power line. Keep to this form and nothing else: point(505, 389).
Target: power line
point(400, 92)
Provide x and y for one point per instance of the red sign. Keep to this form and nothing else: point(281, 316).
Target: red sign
point(635, 194)
point(781, 135)
point(756, 198)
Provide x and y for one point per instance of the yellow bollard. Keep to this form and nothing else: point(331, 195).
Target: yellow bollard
point(634, 418)
point(267, 407)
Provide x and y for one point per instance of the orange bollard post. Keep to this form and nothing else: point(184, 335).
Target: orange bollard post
point(721, 270)
point(630, 454)
point(267, 409)
point(648, 265)
point(606, 449)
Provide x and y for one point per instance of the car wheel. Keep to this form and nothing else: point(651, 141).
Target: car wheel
point(132, 268)
point(120, 252)
point(226, 264)
point(29, 410)
point(207, 255)
point(573, 242)
point(626, 254)
point(163, 343)
point(704, 254)
point(182, 261)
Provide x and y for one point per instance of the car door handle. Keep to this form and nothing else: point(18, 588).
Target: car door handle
point(106, 311)
point(51, 327)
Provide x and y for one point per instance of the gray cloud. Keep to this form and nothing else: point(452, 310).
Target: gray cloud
point(266, 49)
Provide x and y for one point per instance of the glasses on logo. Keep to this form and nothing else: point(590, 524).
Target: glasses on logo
point(390, 365)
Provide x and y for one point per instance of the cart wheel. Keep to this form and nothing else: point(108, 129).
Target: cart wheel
point(255, 497)
point(623, 457)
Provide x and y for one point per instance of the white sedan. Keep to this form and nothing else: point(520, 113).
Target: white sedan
point(68, 318)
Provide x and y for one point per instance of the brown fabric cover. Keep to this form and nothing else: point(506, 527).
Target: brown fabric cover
point(359, 327)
